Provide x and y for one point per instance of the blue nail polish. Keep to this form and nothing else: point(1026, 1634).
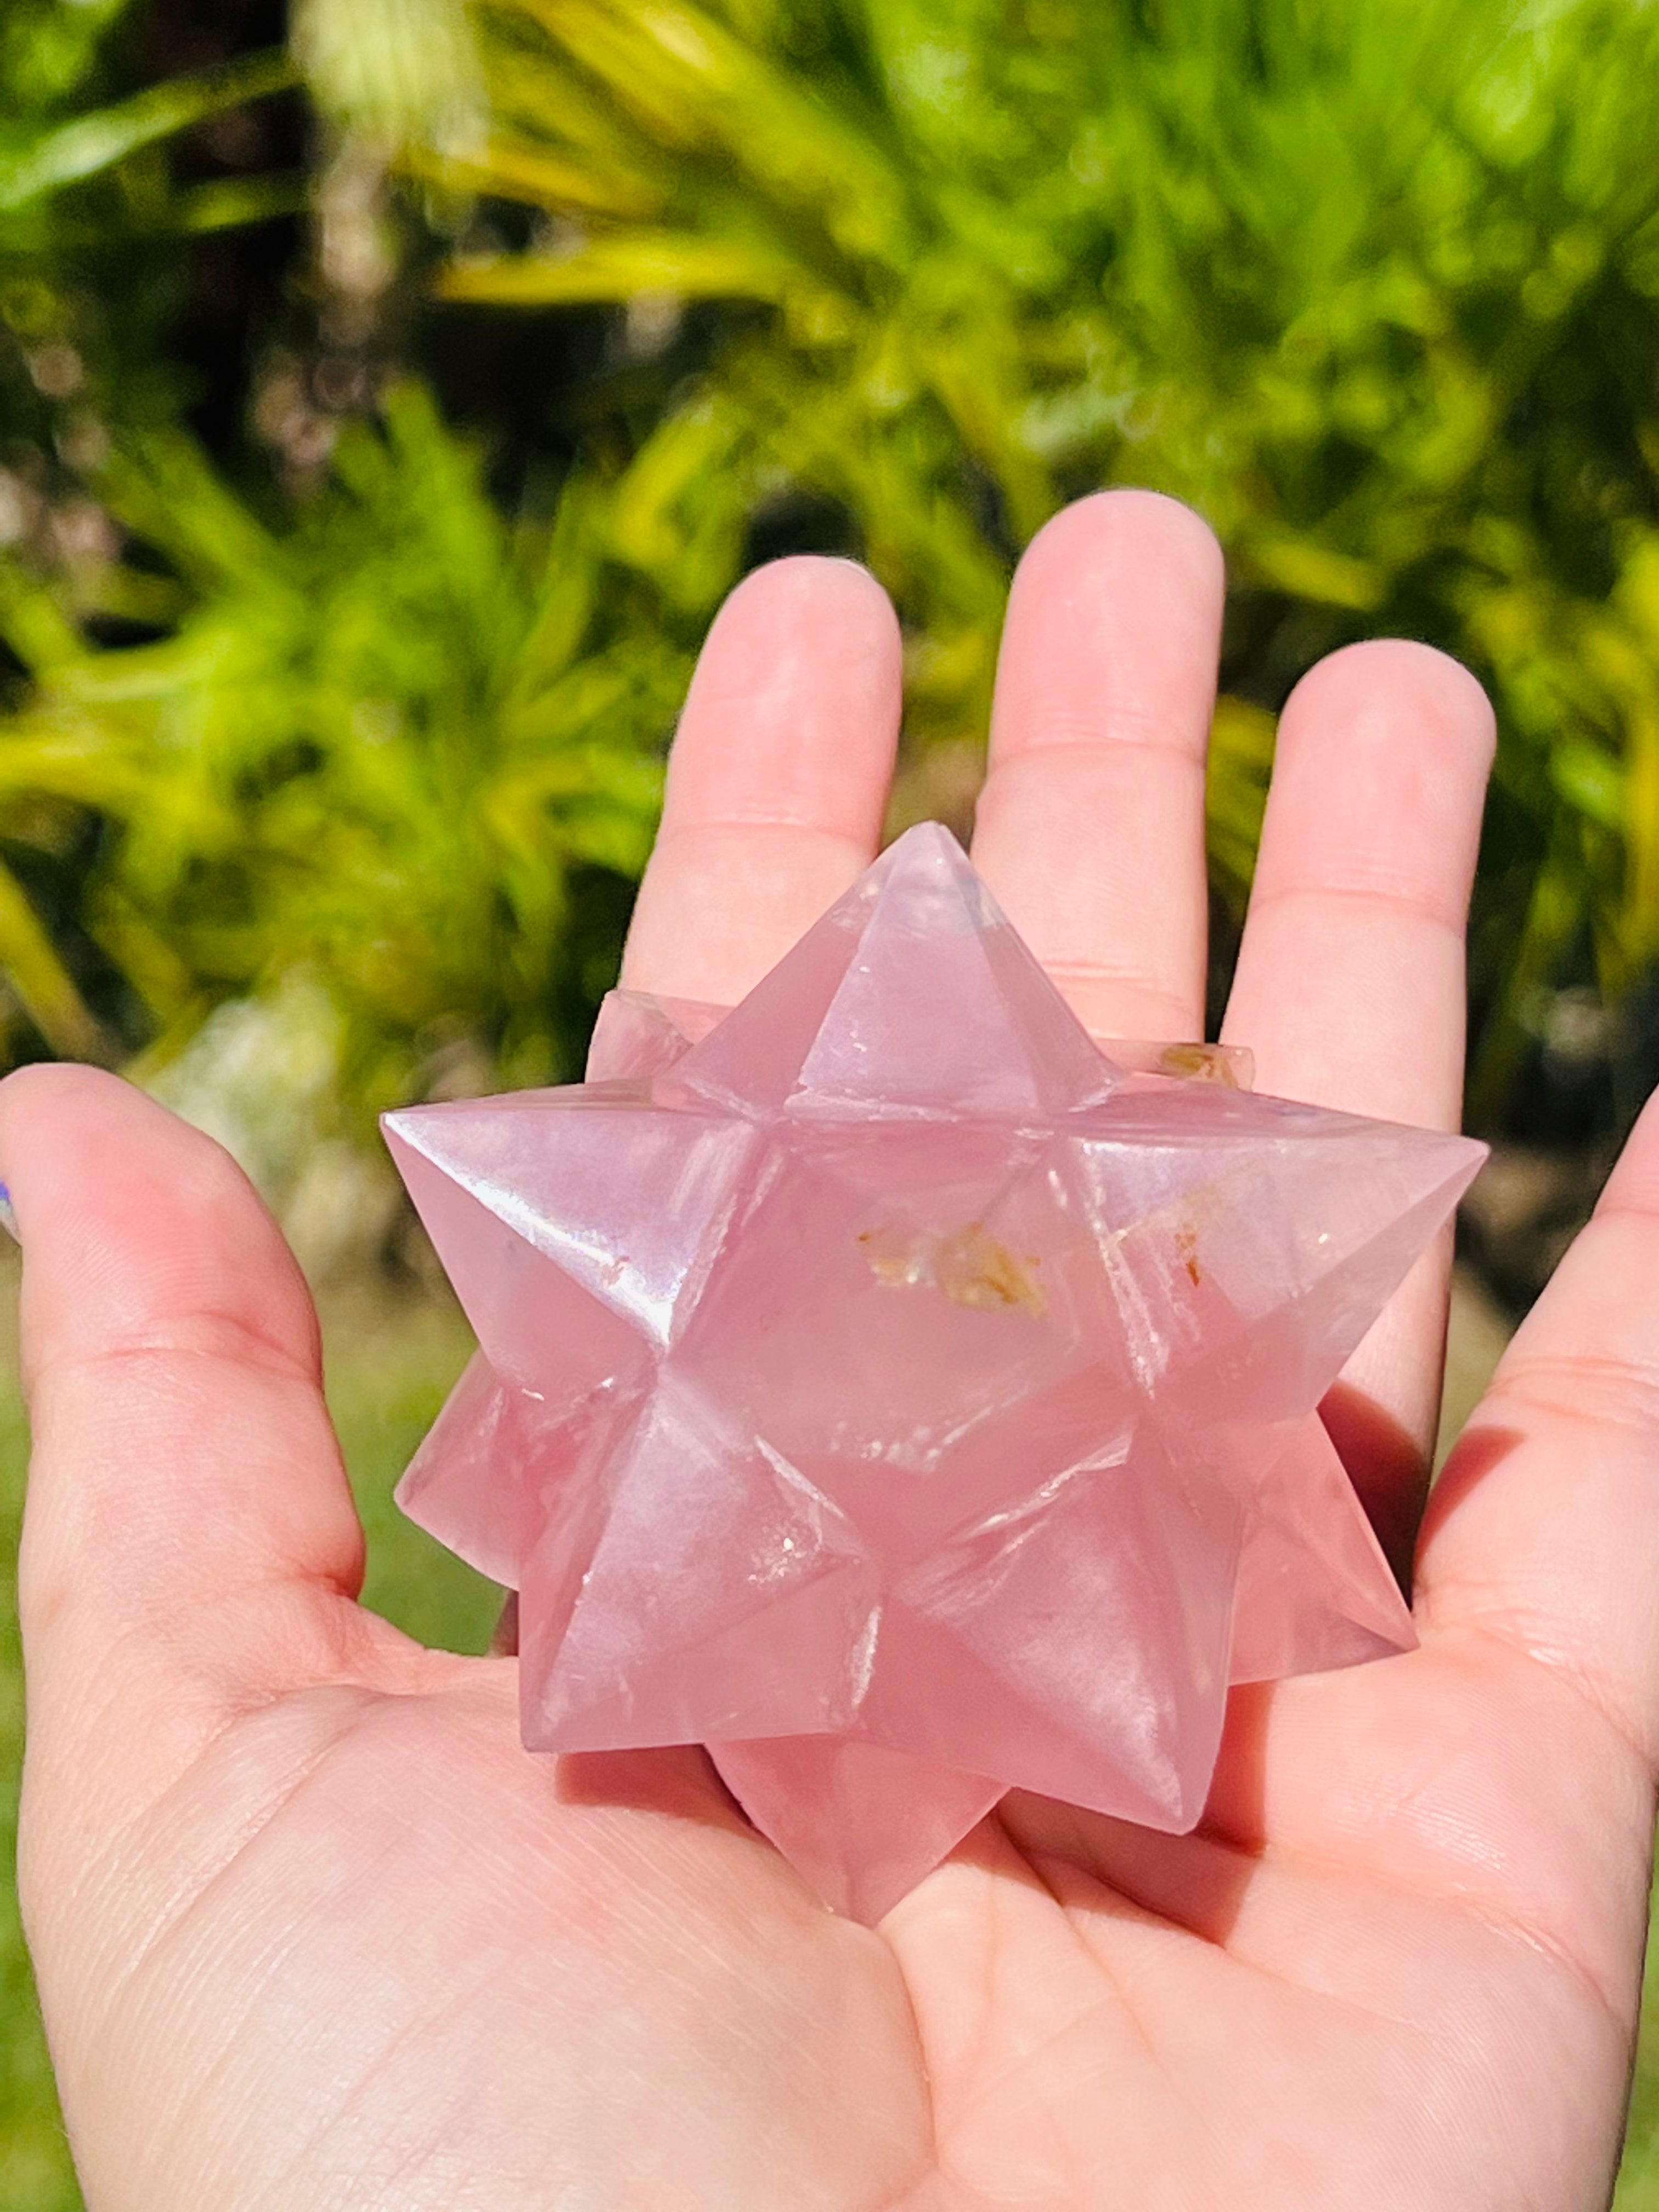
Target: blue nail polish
point(7, 1218)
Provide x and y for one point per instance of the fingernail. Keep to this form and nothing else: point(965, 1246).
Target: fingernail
point(7, 1218)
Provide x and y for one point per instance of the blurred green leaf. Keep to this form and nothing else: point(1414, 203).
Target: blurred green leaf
point(90, 144)
point(40, 980)
point(374, 748)
point(1376, 290)
point(623, 268)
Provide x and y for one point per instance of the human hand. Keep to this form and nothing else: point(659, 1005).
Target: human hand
point(312, 1930)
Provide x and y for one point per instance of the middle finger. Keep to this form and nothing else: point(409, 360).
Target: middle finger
point(1090, 825)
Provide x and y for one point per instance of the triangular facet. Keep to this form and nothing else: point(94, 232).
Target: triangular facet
point(861, 1822)
point(462, 1486)
point(722, 1596)
point(984, 1638)
point(638, 1034)
point(540, 1329)
point(753, 1058)
point(1250, 1245)
point(943, 1006)
point(1315, 1591)
point(912, 995)
point(628, 1200)
point(499, 1459)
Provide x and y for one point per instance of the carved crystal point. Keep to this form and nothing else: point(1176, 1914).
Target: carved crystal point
point(888, 1387)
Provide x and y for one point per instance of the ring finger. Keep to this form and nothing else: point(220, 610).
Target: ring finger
point(1350, 987)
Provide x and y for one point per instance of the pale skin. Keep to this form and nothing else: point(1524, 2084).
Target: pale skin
point(312, 1931)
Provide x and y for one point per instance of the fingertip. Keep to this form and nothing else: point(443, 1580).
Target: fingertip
point(1164, 531)
point(54, 1078)
point(1089, 829)
point(1113, 631)
point(794, 710)
point(782, 615)
point(778, 780)
point(816, 580)
point(23, 1092)
point(35, 1102)
point(182, 1453)
point(1401, 679)
point(1379, 782)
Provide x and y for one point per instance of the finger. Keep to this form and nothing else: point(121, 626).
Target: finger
point(778, 779)
point(1350, 984)
point(182, 1455)
point(1543, 1530)
point(1090, 825)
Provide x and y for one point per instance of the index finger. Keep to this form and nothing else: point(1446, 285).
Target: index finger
point(778, 779)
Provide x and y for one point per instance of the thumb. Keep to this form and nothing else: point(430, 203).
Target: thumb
point(189, 1540)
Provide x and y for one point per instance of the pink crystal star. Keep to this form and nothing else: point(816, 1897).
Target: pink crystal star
point(878, 1384)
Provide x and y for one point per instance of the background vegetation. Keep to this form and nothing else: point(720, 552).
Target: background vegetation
point(314, 670)
point(390, 390)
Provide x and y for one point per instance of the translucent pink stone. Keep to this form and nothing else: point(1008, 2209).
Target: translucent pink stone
point(894, 1390)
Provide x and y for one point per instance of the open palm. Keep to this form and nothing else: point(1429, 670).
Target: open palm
point(312, 1931)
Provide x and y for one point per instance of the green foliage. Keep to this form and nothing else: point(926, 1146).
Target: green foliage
point(1377, 290)
point(88, 199)
point(89, 218)
point(87, 145)
point(376, 744)
point(47, 53)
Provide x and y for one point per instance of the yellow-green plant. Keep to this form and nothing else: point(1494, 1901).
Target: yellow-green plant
point(90, 214)
point(1378, 289)
point(86, 186)
point(376, 744)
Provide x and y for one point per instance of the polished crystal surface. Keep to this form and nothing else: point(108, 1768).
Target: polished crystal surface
point(889, 1387)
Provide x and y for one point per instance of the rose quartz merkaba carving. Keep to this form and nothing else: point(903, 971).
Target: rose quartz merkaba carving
point(890, 1388)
